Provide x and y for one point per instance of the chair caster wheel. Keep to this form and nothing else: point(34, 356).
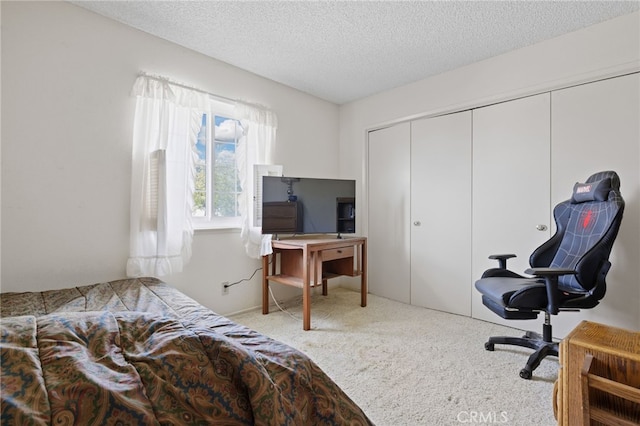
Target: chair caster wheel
point(525, 374)
point(488, 346)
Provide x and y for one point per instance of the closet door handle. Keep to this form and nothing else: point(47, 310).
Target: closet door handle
point(417, 223)
point(541, 227)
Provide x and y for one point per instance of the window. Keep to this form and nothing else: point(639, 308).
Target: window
point(187, 140)
point(217, 184)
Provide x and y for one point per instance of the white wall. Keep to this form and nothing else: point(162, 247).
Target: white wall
point(607, 49)
point(66, 149)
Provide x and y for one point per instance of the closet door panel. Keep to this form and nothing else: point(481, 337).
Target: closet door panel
point(441, 213)
point(389, 183)
point(511, 181)
point(596, 127)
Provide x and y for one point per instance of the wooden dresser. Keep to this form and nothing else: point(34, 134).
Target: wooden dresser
point(599, 378)
point(282, 217)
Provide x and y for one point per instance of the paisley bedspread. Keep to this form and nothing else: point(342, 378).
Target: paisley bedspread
point(138, 352)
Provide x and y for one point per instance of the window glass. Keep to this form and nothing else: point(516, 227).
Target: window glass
point(217, 183)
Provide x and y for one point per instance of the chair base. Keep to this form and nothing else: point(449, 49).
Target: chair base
point(543, 347)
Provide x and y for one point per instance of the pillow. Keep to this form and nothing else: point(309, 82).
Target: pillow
point(592, 191)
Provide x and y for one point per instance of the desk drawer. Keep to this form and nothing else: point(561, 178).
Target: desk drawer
point(339, 253)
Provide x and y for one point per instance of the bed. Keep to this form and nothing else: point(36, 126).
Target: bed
point(138, 351)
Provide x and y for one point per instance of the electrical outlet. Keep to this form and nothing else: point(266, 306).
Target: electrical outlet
point(225, 288)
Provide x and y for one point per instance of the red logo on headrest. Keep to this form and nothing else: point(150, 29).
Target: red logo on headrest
point(587, 219)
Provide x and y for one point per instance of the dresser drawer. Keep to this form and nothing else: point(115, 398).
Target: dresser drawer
point(339, 253)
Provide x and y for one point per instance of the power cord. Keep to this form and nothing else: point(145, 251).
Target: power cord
point(298, 299)
point(319, 314)
point(281, 308)
point(244, 279)
point(270, 292)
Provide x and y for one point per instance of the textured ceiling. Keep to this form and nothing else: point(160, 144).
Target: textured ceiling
point(346, 50)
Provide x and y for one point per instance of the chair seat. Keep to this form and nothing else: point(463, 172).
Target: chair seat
point(514, 293)
point(504, 294)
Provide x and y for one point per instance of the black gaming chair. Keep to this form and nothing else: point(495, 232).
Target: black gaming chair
point(567, 272)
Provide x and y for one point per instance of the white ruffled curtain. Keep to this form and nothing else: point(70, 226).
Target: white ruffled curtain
point(166, 125)
point(255, 147)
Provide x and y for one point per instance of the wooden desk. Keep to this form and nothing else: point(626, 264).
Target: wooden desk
point(306, 262)
point(613, 356)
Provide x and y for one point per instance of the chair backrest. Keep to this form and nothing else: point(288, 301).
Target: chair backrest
point(587, 225)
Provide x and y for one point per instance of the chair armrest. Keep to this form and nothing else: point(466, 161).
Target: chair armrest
point(550, 276)
point(502, 259)
point(550, 272)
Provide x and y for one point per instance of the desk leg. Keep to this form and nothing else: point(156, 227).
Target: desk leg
point(363, 277)
point(318, 273)
point(265, 284)
point(306, 290)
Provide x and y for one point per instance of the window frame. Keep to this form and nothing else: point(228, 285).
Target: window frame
point(209, 220)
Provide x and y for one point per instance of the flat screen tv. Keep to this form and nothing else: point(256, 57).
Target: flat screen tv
point(300, 205)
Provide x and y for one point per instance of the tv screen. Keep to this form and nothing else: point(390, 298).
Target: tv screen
point(299, 205)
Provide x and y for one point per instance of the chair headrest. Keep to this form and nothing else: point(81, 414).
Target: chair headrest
point(615, 179)
point(596, 188)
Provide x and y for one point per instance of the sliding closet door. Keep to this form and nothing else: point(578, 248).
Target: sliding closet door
point(389, 207)
point(441, 213)
point(596, 127)
point(511, 181)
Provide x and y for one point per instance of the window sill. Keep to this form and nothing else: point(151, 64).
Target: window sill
point(217, 224)
point(216, 229)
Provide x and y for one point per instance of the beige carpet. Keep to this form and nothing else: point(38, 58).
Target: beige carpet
point(406, 365)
